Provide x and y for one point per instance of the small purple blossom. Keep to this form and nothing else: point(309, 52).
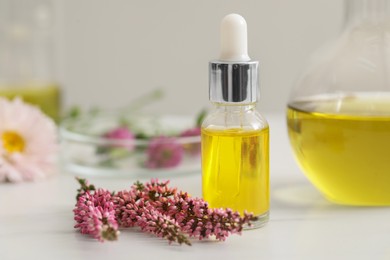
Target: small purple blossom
point(192, 148)
point(121, 133)
point(164, 152)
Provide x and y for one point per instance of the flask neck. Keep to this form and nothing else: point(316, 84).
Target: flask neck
point(366, 12)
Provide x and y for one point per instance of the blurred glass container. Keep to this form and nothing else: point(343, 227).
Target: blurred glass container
point(339, 110)
point(27, 53)
point(86, 148)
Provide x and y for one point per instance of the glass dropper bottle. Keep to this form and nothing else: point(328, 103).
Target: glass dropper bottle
point(235, 137)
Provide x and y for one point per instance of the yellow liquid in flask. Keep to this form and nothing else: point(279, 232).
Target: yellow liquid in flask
point(235, 169)
point(345, 154)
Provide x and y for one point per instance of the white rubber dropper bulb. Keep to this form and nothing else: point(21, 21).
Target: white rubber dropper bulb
point(234, 43)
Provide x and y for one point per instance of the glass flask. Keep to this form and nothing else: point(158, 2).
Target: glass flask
point(27, 53)
point(338, 113)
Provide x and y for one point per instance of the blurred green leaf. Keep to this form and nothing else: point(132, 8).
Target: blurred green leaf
point(201, 116)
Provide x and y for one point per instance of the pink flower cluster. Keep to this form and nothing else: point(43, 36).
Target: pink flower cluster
point(164, 152)
point(192, 214)
point(122, 133)
point(155, 208)
point(95, 215)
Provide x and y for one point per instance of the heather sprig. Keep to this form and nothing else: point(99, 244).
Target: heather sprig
point(95, 215)
point(157, 209)
point(193, 214)
point(133, 210)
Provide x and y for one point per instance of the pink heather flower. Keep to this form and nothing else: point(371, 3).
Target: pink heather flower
point(192, 148)
point(121, 133)
point(164, 152)
point(28, 142)
point(193, 214)
point(95, 215)
point(132, 210)
point(156, 209)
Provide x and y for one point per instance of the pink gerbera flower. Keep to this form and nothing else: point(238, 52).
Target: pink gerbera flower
point(28, 142)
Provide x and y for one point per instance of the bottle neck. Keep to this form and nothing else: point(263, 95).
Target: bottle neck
point(229, 108)
point(366, 12)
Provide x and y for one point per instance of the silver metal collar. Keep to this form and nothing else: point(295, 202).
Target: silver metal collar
point(233, 82)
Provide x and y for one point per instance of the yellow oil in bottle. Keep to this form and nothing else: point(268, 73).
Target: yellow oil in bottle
point(343, 147)
point(235, 169)
point(46, 96)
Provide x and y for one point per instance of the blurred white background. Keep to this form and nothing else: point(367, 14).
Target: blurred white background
point(114, 50)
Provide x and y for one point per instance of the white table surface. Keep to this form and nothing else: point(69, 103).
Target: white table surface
point(36, 221)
